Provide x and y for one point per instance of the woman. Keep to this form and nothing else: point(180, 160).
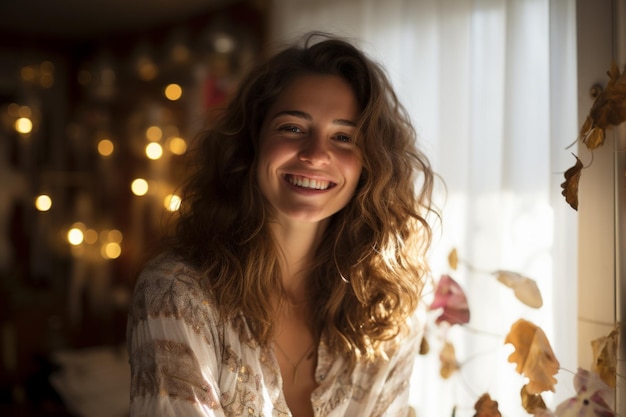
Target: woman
point(291, 284)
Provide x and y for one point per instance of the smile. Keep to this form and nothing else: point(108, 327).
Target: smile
point(310, 183)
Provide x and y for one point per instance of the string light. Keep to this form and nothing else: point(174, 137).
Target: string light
point(90, 236)
point(43, 202)
point(139, 187)
point(114, 236)
point(23, 125)
point(172, 202)
point(173, 92)
point(177, 145)
point(154, 151)
point(111, 250)
point(105, 147)
point(154, 133)
point(75, 236)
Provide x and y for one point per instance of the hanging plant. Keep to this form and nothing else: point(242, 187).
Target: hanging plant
point(608, 110)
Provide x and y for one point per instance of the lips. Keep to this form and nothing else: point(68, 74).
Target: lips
point(310, 183)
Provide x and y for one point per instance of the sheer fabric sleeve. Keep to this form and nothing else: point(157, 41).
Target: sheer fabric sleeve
point(393, 398)
point(173, 345)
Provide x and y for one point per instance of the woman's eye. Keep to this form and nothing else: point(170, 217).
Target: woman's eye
point(343, 138)
point(290, 129)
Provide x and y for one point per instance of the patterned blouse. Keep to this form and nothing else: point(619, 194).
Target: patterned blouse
point(184, 362)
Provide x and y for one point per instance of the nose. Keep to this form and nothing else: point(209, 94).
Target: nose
point(315, 150)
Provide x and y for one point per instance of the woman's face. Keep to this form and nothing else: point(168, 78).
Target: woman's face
point(308, 163)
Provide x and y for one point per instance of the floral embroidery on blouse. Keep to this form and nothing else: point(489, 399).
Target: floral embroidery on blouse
point(185, 361)
point(177, 374)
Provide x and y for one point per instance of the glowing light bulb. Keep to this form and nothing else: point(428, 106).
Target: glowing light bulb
point(139, 187)
point(115, 236)
point(90, 236)
point(177, 145)
point(105, 147)
point(173, 92)
point(172, 202)
point(23, 125)
point(75, 236)
point(111, 250)
point(154, 133)
point(43, 202)
point(154, 151)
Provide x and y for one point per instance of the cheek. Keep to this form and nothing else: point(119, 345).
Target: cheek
point(353, 169)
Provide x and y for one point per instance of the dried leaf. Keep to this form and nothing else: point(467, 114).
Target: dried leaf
point(605, 357)
point(532, 402)
point(609, 108)
point(594, 138)
point(570, 186)
point(449, 364)
point(533, 356)
point(486, 407)
point(592, 398)
point(453, 259)
point(450, 296)
point(524, 288)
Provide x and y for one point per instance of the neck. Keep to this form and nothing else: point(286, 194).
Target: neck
point(298, 243)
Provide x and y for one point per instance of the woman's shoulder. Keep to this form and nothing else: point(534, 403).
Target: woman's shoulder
point(168, 286)
point(408, 340)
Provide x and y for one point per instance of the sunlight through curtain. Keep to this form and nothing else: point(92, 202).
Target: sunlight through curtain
point(491, 88)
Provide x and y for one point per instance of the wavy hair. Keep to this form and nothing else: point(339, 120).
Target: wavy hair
point(371, 263)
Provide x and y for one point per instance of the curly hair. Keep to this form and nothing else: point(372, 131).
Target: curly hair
point(371, 263)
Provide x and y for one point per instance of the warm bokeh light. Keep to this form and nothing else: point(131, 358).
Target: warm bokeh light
point(172, 202)
point(90, 236)
point(46, 74)
point(75, 236)
point(23, 125)
point(43, 202)
point(180, 53)
point(147, 69)
point(25, 111)
point(114, 236)
point(46, 80)
point(177, 145)
point(224, 43)
point(154, 151)
point(105, 147)
point(173, 92)
point(139, 187)
point(27, 73)
point(13, 110)
point(111, 250)
point(154, 133)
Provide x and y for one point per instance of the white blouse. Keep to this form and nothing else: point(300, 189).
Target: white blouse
point(184, 362)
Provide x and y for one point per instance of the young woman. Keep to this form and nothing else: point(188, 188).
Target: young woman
point(291, 284)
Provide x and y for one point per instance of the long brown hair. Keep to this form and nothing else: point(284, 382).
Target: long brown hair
point(370, 265)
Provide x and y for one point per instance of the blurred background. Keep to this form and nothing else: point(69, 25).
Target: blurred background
point(100, 100)
point(98, 103)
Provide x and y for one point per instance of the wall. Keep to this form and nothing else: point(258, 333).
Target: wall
point(602, 194)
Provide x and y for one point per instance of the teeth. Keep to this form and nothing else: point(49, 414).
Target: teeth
point(308, 182)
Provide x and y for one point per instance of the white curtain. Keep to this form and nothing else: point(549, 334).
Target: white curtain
point(491, 88)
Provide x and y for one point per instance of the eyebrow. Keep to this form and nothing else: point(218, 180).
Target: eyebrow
point(307, 116)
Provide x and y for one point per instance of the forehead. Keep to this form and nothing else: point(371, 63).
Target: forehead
point(330, 92)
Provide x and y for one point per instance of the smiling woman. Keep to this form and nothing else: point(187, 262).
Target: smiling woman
point(292, 281)
point(309, 166)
